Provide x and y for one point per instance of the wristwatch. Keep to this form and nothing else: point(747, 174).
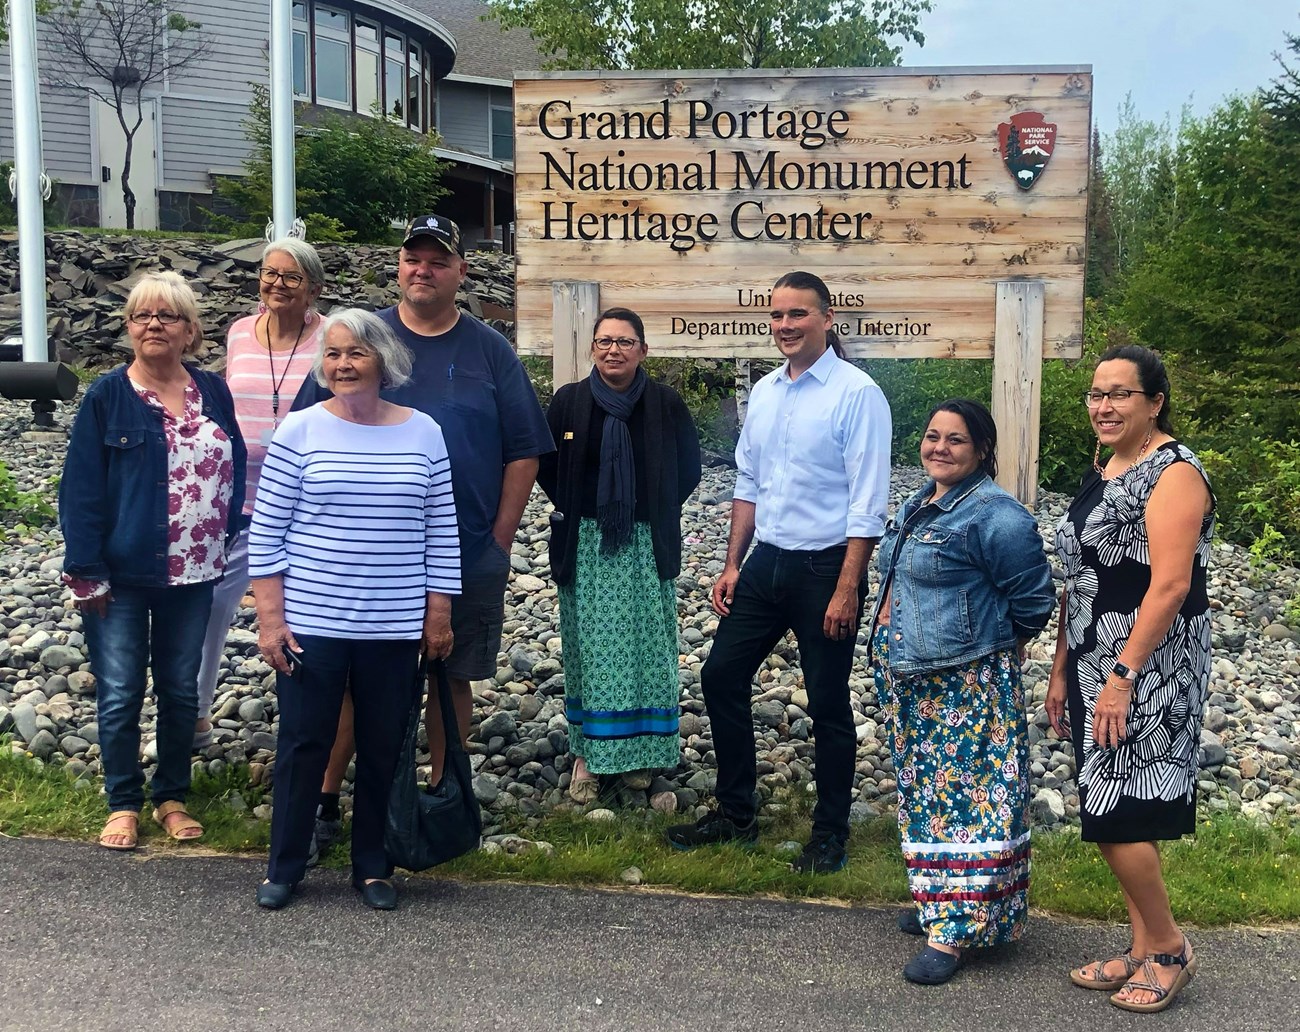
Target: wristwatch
point(1126, 672)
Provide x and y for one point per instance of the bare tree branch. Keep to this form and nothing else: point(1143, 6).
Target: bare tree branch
point(115, 50)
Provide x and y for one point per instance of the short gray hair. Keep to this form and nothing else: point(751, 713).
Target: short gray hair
point(372, 333)
point(304, 256)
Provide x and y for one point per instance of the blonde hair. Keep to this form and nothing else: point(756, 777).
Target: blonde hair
point(170, 289)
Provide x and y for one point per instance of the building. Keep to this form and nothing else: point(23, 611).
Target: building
point(433, 63)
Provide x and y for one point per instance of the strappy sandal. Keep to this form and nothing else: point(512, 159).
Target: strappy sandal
point(129, 831)
point(1151, 984)
point(1093, 975)
point(174, 819)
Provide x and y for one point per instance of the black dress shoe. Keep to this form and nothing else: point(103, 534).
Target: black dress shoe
point(274, 895)
point(377, 895)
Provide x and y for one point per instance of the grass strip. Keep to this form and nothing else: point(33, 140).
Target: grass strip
point(1234, 871)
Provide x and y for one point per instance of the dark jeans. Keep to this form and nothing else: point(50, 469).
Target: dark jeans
point(148, 628)
point(381, 675)
point(780, 591)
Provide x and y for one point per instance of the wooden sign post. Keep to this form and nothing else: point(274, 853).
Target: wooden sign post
point(945, 209)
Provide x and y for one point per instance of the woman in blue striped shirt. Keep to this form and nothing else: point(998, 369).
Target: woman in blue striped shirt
point(354, 556)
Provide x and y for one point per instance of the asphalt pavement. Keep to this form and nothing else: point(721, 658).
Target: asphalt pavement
point(96, 940)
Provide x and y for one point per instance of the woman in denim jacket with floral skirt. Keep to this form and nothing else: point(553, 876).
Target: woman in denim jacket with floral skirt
point(152, 488)
point(964, 584)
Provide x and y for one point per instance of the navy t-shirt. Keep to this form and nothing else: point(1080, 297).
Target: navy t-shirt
point(472, 383)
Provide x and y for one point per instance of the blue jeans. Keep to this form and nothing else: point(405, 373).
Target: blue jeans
point(162, 629)
point(780, 591)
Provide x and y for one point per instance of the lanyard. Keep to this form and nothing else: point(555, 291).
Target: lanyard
point(270, 359)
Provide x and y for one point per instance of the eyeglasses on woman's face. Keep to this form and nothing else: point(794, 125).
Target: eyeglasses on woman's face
point(292, 280)
point(1117, 397)
point(623, 343)
point(165, 317)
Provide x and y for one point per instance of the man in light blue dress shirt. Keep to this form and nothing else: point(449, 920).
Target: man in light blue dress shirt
point(812, 486)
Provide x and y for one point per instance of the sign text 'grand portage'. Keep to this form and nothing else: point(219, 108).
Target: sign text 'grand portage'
point(719, 170)
point(685, 195)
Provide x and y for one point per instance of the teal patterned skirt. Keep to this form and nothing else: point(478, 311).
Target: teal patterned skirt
point(618, 623)
point(961, 752)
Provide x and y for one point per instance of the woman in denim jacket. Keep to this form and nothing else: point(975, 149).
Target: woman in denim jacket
point(964, 583)
point(152, 488)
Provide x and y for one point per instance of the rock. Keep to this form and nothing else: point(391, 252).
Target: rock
point(770, 713)
point(24, 718)
point(252, 710)
point(42, 745)
point(485, 790)
point(1277, 744)
point(1280, 632)
point(500, 725)
point(1212, 751)
point(58, 656)
point(601, 815)
point(1048, 807)
point(81, 682)
point(73, 746)
point(631, 876)
point(529, 583)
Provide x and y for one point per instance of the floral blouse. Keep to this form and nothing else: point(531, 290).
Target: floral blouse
point(200, 481)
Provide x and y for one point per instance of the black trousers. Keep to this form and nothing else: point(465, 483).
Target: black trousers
point(382, 678)
point(780, 591)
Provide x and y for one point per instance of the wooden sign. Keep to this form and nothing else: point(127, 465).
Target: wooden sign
point(911, 192)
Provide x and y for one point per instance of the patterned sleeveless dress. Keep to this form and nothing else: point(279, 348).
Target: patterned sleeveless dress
point(1146, 788)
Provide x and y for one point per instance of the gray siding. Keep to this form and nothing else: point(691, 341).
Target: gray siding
point(241, 30)
point(200, 137)
point(65, 129)
point(463, 116)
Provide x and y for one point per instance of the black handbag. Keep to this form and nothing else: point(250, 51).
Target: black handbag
point(429, 826)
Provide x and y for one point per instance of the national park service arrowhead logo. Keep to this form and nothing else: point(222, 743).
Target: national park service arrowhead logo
point(1026, 143)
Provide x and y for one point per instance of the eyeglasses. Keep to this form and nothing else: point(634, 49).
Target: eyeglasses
point(1093, 398)
point(166, 318)
point(292, 280)
point(624, 343)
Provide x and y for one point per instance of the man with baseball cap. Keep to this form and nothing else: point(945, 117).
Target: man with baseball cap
point(469, 379)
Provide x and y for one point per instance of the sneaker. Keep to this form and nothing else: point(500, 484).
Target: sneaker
point(824, 854)
point(711, 829)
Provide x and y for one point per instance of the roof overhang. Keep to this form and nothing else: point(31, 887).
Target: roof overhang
point(444, 44)
point(477, 160)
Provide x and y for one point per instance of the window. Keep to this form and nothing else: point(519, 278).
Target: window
point(503, 134)
point(414, 106)
point(333, 60)
point(300, 75)
point(367, 53)
point(394, 76)
point(430, 93)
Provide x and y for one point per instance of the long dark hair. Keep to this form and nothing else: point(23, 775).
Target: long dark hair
point(979, 424)
point(1151, 374)
point(625, 315)
point(809, 281)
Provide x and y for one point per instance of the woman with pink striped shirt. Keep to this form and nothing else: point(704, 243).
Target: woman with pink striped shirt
point(268, 355)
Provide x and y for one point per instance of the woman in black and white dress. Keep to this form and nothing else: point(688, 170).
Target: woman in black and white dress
point(1132, 660)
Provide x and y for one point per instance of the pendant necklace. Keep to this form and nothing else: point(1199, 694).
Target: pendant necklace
point(270, 359)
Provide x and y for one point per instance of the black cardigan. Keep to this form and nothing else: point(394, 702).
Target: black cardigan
point(665, 437)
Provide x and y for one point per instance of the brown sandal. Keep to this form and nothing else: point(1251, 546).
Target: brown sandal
point(174, 819)
point(1151, 984)
point(1093, 975)
point(130, 832)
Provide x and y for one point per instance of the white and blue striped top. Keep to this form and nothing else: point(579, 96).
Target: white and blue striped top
point(361, 522)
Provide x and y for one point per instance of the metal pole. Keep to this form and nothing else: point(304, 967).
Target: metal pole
point(27, 166)
point(282, 157)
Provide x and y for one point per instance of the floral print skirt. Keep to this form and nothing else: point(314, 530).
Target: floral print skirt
point(961, 747)
point(618, 622)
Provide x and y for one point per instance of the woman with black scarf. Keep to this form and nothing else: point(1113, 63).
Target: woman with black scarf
point(628, 459)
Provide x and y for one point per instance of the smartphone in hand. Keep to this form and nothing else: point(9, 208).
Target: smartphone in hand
point(294, 660)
